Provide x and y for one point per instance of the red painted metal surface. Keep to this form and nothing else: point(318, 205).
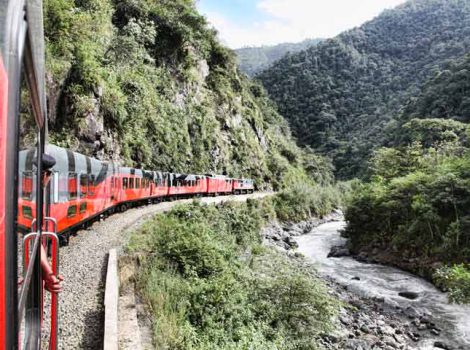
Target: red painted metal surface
point(3, 233)
point(240, 186)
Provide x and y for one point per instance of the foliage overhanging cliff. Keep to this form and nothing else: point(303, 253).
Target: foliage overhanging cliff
point(147, 83)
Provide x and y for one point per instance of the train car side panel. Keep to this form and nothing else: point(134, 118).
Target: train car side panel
point(3, 230)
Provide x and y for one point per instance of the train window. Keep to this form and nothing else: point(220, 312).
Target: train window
point(83, 185)
point(91, 185)
point(55, 188)
point(125, 183)
point(27, 184)
point(131, 182)
point(72, 186)
point(72, 211)
point(27, 212)
point(63, 187)
point(137, 183)
point(83, 207)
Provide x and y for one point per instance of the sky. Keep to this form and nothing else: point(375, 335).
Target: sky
point(267, 22)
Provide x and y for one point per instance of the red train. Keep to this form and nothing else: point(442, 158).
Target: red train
point(80, 188)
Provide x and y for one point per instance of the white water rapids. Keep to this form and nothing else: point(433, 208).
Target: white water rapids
point(378, 281)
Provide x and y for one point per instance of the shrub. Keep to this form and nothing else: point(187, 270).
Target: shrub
point(209, 285)
point(455, 280)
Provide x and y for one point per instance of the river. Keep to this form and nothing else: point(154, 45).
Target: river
point(378, 281)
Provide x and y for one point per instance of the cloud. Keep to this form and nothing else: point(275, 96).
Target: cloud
point(296, 20)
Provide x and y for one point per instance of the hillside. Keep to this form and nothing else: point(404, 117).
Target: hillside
point(253, 60)
point(413, 213)
point(446, 95)
point(341, 95)
point(148, 84)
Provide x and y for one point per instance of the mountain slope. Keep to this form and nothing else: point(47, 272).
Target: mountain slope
point(446, 95)
point(340, 95)
point(147, 83)
point(414, 211)
point(253, 60)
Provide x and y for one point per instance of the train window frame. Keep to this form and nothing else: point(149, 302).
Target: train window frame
point(31, 176)
point(27, 211)
point(137, 183)
point(72, 195)
point(125, 183)
point(71, 214)
point(55, 187)
point(84, 188)
point(131, 183)
point(83, 207)
point(91, 185)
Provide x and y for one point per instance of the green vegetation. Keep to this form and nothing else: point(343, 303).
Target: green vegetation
point(147, 83)
point(301, 198)
point(413, 212)
point(343, 95)
point(457, 281)
point(253, 60)
point(210, 284)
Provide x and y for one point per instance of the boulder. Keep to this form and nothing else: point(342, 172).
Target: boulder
point(338, 252)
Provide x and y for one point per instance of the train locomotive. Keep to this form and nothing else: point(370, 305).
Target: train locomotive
point(34, 214)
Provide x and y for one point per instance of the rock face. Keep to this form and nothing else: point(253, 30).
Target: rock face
point(158, 91)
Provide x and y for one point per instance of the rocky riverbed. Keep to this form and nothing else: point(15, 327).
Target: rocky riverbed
point(384, 308)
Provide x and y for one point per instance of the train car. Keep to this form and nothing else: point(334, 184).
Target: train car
point(183, 185)
point(134, 185)
point(219, 184)
point(159, 186)
point(243, 186)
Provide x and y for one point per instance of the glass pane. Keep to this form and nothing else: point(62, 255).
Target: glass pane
point(72, 186)
point(83, 185)
point(26, 214)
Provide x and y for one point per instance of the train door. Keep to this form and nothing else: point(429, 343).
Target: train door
point(23, 129)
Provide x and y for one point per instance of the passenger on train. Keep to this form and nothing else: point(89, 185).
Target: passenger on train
point(51, 281)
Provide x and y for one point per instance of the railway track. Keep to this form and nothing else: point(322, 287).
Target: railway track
point(83, 265)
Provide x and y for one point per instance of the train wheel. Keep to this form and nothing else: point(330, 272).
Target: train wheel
point(64, 239)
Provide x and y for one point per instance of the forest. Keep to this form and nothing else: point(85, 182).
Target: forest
point(342, 96)
point(389, 103)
